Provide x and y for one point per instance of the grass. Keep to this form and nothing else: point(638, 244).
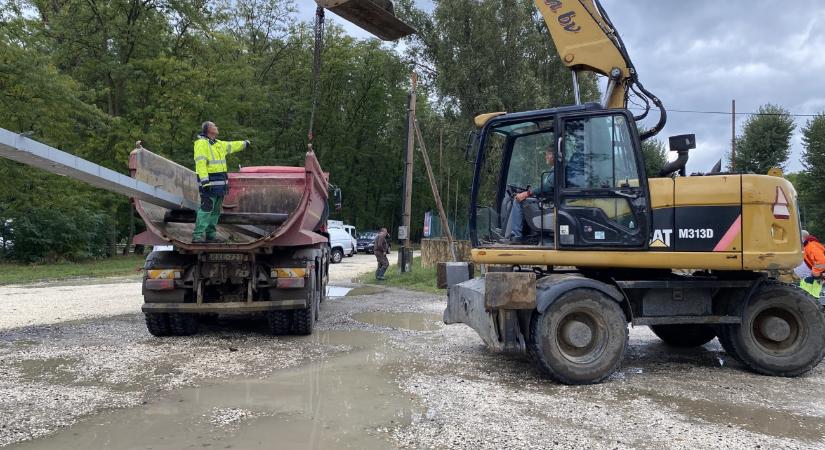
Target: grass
point(28, 273)
point(420, 279)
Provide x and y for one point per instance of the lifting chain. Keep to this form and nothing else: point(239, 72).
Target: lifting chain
point(316, 70)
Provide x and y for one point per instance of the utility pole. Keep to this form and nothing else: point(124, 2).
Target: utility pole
point(436, 196)
point(733, 135)
point(405, 255)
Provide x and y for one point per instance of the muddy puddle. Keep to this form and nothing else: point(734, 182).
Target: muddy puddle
point(753, 418)
point(406, 321)
point(348, 400)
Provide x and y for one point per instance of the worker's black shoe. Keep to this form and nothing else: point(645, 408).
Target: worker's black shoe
point(198, 240)
point(216, 240)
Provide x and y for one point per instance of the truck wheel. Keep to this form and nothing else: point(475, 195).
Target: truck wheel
point(183, 324)
point(580, 339)
point(684, 335)
point(782, 332)
point(279, 322)
point(158, 324)
point(337, 255)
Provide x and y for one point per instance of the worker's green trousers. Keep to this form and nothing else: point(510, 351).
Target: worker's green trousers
point(207, 217)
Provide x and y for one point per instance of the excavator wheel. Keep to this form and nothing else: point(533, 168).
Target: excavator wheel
point(684, 335)
point(580, 339)
point(782, 332)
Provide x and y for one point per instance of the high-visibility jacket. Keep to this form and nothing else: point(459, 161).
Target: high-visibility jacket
point(815, 257)
point(210, 156)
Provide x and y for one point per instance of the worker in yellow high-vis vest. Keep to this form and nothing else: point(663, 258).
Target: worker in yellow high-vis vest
point(210, 164)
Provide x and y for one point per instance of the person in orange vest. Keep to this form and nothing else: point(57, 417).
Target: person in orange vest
point(814, 254)
point(810, 272)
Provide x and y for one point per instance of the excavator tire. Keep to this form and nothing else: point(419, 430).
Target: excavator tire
point(580, 339)
point(684, 335)
point(723, 332)
point(158, 324)
point(782, 332)
point(183, 324)
point(279, 322)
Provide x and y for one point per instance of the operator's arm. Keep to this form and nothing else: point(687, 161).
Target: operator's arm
point(201, 160)
point(236, 146)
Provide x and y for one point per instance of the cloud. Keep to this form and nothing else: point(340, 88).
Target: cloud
point(700, 54)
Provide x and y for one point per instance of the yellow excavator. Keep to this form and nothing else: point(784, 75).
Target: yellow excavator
point(578, 242)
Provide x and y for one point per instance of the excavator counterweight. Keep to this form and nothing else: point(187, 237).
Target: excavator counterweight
point(375, 16)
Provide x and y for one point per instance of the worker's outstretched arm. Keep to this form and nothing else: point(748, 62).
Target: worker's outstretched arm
point(236, 146)
point(202, 160)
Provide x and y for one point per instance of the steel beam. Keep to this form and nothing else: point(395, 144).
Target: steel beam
point(32, 153)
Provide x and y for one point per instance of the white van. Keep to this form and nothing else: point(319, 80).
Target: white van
point(341, 244)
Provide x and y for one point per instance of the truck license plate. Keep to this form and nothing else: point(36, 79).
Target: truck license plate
point(226, 257)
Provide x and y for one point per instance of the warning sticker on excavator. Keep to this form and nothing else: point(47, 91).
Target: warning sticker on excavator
point(564, 229)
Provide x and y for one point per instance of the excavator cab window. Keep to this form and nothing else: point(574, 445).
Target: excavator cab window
point(516, 157)
point(603, 201)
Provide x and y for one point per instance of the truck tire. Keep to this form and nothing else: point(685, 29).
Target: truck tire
point(183, 324)
point(303, 320)
point(684, 335)
point(337, 255)
point(279, 322)
point(158, 324)
point(580, 339)
point(782, 332)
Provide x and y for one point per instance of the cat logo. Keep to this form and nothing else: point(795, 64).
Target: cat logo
point(661, 238)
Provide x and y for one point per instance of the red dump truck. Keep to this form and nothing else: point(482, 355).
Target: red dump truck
point(274, 261)
point(275, 258)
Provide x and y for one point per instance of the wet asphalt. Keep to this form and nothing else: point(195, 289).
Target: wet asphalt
point(380, 371)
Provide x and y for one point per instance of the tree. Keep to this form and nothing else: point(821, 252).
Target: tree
point(765, 141)
point(810, 186)
point(654, 153)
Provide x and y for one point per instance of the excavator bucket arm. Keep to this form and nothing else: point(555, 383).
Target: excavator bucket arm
point(375, 16)
point(586, 41)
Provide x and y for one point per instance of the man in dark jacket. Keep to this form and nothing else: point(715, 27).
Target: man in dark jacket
point(381, 249)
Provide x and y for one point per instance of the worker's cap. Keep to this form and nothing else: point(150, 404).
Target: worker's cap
point(805, 235)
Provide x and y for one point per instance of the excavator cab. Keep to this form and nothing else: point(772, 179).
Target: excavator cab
point(584, 169)
point(376, 16)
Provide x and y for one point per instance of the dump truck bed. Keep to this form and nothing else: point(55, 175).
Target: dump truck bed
point(270, 206)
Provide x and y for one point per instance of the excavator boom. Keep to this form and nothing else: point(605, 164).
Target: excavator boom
point(586, 40)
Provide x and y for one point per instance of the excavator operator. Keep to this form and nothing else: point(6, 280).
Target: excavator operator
point(546, 188)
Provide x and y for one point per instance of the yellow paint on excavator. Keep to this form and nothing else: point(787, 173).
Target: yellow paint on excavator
point(375, 16)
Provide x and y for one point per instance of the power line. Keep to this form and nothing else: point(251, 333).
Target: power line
point(728, 113)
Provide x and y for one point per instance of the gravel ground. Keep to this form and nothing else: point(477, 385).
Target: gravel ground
point(48, 303)
point(374, 385)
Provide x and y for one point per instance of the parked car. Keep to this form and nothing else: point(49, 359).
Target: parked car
point(341, 244)
point(366, 241)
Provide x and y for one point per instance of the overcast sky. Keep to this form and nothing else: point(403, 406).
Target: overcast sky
point(700, 54)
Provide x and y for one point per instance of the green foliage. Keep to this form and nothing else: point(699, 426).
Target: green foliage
point(765, 142)
point(419, 279)
point(809, 182)
point(11, 273)
point(92, 77)
point(654, 153)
